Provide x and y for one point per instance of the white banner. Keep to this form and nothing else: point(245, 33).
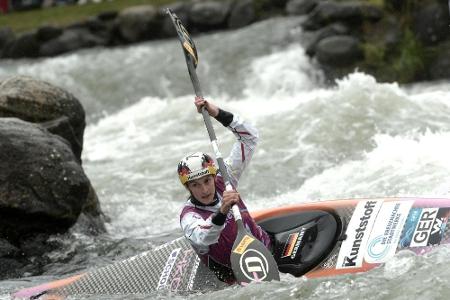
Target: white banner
point(353, 247)
point(387, 230)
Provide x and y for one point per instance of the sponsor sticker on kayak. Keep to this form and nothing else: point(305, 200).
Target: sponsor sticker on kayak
point(385, 236)
point(425, 227)
point(353, 247)
point(439, 226)
point(164, 278)
point(293, 243)
point(181, 268)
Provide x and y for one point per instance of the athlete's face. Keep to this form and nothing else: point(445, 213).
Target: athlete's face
point(203, 189)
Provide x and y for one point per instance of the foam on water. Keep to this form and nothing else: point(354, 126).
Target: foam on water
point(398, 166)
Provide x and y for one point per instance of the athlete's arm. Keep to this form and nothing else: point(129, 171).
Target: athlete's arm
point(246, 135)
point(243, 149)
point(202, 233)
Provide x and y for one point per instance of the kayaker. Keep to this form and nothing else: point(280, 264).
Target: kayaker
point(206, 218)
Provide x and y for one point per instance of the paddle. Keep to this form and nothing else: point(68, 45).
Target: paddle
point(250, 259)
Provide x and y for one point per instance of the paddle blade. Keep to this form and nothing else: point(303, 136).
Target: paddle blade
point(188, 44)
point(251, 261)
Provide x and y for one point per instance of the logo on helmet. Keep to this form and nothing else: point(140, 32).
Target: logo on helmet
point(198, 175)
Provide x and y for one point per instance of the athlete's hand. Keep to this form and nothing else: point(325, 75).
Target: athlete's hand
point(230, 198)
point(211, 108)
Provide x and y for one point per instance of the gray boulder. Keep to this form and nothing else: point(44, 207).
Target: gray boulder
point(42, 186)
point(46, 33)
point(107, 16)
point(8, 250)
point(6, 37)
point(339, 51)
point(105, 27)
point(327, 31)
point(393, 33)
point(26, 45)
point(10, 260)
point(300, 7)
point(139, 23)
point(431, 23)
point(43, 191)
point(40, 102)
point(210, 14)
point(353, 13)
point(278, 3)
point(397, 5)
point(71, 40)
point(242, 14)
point(439, 68)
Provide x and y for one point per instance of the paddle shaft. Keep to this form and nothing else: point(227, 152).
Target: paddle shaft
point(189, 53)
point(213, 138)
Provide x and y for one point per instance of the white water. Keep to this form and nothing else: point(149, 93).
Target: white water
point(359, 138)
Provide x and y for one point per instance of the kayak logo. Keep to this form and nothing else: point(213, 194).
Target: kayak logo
point(385, 235)
point(293, 243)
point(168, 268)
point(425, 227)
point(430, 227)
point(361, 224)
point(254, 265)
point(180, 268)
point(377, 249)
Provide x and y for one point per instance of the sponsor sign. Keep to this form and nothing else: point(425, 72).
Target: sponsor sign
point(168, 268)
point(386, 232)
point(353, 248)
point(293, 243)
point(243, 244)
point(430, 227)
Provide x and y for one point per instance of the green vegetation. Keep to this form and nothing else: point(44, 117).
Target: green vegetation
point(374, 54)
point(410, 60)
point(403, 64)
point(65, 15)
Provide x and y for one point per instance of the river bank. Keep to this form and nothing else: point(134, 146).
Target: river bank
point(392, 40)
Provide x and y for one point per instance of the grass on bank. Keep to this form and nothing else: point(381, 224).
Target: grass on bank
point(23, 21)
point(405, 63)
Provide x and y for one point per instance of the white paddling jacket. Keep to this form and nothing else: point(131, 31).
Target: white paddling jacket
point(210, 233)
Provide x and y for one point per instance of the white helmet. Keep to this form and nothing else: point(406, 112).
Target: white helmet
point(195, 166)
